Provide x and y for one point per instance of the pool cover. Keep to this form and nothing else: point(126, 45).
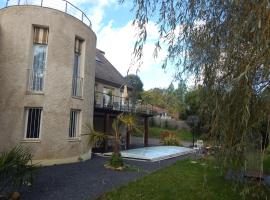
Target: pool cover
point(155, 153)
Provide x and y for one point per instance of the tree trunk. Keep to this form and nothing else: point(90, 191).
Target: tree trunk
point(116, 149)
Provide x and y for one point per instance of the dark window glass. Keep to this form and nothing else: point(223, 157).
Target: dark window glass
point(33, 122)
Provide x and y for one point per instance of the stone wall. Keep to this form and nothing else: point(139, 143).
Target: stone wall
point(16, 46)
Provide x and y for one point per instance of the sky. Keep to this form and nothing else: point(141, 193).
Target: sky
point(112, 24)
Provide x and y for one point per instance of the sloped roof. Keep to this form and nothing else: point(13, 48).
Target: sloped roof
point(106, 72)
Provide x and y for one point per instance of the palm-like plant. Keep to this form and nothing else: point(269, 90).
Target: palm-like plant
point(130, 122)
point(95, 138)
point(16, 168)
point(117, 135)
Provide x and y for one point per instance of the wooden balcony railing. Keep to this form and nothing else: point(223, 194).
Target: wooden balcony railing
point(117, 103)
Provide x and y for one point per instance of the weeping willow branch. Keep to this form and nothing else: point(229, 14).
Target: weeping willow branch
point(225, 44)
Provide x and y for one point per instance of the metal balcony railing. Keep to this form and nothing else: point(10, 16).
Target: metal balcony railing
point(116, 103)
point(36, 80)
point(61, 5)
point(77, 86)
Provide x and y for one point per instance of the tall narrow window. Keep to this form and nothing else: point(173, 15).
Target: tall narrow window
point(77, 80)
point(37, 73)
point(74, 123)
point(33, 123)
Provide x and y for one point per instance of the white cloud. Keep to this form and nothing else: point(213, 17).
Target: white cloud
point(118, 44)
point(96, 17)
point(95, 10)
point(93, 2)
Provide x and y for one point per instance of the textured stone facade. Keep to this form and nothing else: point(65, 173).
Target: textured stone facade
point(16, 55)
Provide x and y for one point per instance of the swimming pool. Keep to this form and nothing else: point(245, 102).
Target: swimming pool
point(156, 153)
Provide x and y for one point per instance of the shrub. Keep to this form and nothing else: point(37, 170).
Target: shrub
point(152, 122)
point(96, 139)
point(116, 160)
point(164, 134)
point(166, 124)
point(169, 138)
point(16, 168)
point(268, 150)
point(171, 141)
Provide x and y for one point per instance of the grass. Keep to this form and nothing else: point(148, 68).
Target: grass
point(266, 163)
point(154, 132)
point(183, 180)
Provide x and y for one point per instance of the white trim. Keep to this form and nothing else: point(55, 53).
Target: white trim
point(32, 61)
point(77, 135)
point(78, 90)
point(80, 125)
point(81, 68)
point(32, 69)
point(30, 141)
point(26, 111)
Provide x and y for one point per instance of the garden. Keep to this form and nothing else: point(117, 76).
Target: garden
point(191, 179)
point(156, 132)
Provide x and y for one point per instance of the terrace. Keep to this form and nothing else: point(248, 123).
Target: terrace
point(108, 106)
point(116, 104)
point(61, 5)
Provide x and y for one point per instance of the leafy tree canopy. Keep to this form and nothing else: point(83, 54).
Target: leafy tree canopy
point(135, 81)
point(225, 44)
point(171, 99)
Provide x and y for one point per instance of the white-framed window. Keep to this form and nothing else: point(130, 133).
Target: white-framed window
point(37, 72)
point(74, 123)
point(33, 120)
point(77, 79)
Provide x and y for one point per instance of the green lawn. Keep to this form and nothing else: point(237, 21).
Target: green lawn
point(183, 180)
point(154, 132)
point(266, 164)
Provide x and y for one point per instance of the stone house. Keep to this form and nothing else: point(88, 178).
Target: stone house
point(49, 71)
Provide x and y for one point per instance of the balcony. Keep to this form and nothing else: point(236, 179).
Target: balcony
point(61, 5)
point(111, 103)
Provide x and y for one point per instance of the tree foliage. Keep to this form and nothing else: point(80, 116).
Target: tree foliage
point(225, 44)
point(170, 99)
point(135, 81)
point(129, 121)
point(16, 168)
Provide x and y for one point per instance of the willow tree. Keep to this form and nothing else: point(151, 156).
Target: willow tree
point(226, 45)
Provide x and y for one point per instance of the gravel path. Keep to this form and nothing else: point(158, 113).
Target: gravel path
point(85, 180)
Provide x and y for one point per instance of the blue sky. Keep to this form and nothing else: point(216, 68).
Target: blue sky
point(116, 36)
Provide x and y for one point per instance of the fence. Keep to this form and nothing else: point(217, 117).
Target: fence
point(109, 101)
point(168, 123)
point(61, 5)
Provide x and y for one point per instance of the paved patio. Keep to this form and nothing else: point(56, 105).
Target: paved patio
point(86, 180)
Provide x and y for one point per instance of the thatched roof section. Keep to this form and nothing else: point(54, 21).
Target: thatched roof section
point(106, 72)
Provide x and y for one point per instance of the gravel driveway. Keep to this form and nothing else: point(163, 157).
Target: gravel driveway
point(86, 180)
